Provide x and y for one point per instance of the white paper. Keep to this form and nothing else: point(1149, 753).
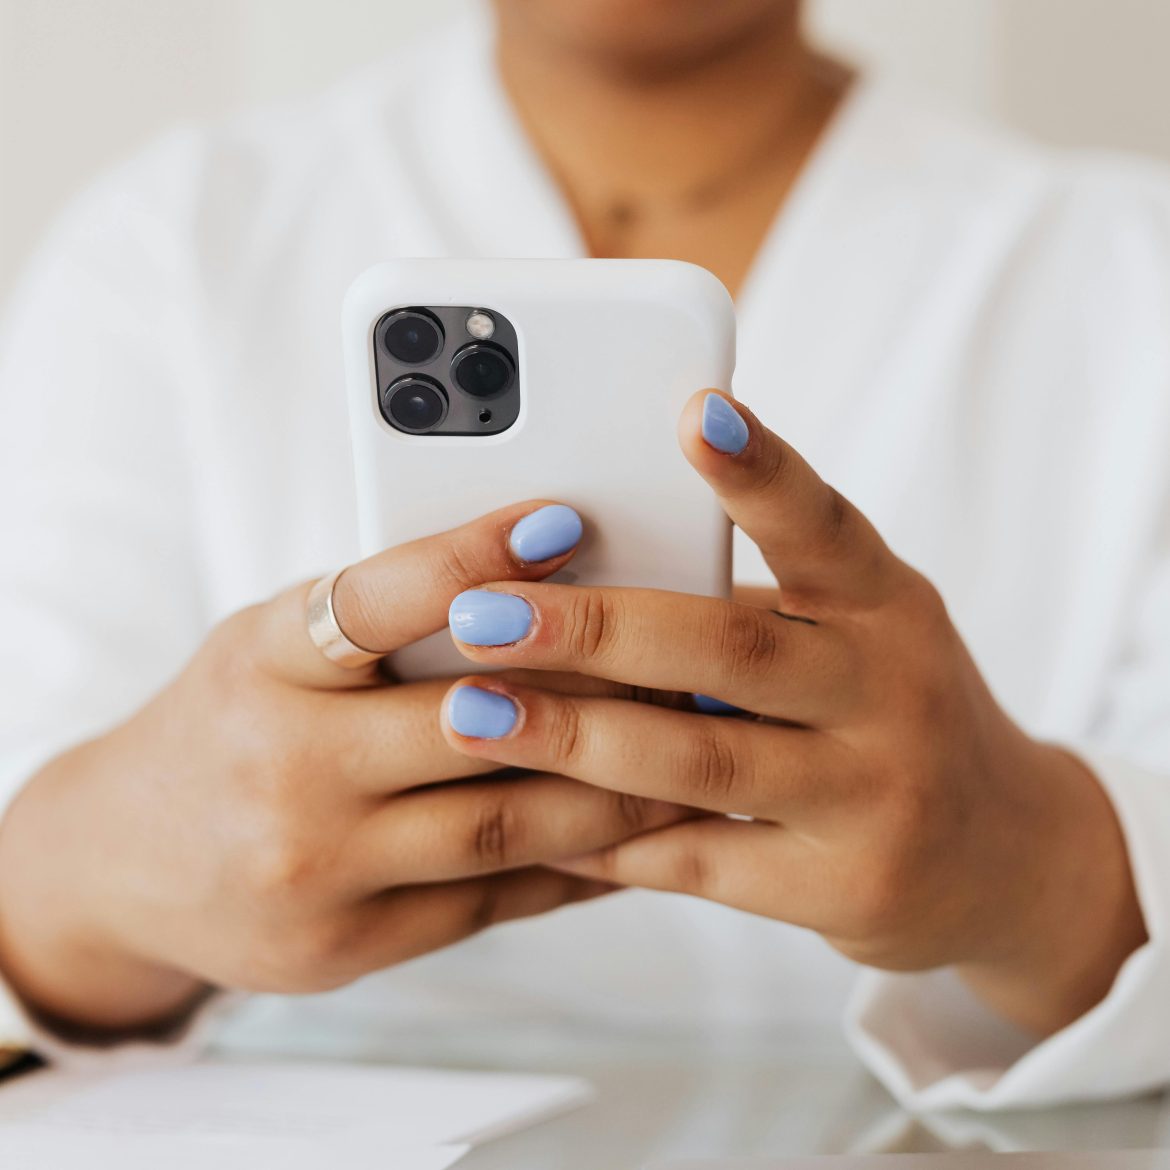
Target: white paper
point(37, 1146)
point(363, 1109)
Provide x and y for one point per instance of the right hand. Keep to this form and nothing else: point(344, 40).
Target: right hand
point(274, 822)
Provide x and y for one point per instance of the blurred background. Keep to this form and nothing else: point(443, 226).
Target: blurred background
point(84, 82)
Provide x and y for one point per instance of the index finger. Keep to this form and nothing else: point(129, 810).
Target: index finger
point(752, 658)
point(402, 594)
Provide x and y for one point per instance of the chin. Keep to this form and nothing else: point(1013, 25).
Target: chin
point(644, 33)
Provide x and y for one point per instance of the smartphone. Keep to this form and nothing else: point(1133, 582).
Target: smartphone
point(478, 383)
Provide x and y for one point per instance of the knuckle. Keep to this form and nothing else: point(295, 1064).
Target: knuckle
point(249, 731)
point(778, 468)
point(633, 812)
point(359, 600)
point(271, 763)
point(588, 624)
point(494, 834)
point(456, 564)
point(837, 513)
point(928, 703)
point(927, 816)
point(566, 733)
point(484, 909)
point(929, 685)
point(307, 958)
point(714, 766)
point(241, 707)
point(692, 872)
point(925, 698)
point(926, 602)
point(282, 868)
point(878, 894)
point(835, 523)
point(229, 650)
point(889, 877)
point(919, 614)
point(750, 639)
point(606, 864)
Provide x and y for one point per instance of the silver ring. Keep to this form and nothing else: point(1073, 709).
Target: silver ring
point(327, 635)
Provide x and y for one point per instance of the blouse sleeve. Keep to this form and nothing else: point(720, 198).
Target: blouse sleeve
point(99, 582)
point(926, 1035)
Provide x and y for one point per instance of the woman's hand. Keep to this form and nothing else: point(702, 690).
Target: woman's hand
point(894, 807)
point(272, 821)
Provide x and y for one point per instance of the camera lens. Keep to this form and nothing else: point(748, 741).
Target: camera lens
point(413, 337)
point(416, 405)
point(483, 370)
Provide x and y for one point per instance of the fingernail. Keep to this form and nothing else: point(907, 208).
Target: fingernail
point(723, 426)
point(481, 618)
point(481, 714)
point(709, 706)
point(548, 532)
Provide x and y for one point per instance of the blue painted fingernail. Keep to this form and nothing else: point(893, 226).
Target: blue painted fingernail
point(723, 426)
point(709, 706)
point(548, 532)
point(481, 714)
point(481, 618)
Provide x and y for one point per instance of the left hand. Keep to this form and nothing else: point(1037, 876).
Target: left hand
point(895, 808)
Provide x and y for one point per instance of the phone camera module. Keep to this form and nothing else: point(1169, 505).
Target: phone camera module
point(483, 370)
point(414, 404)
point(445, 370)
point(413, 337)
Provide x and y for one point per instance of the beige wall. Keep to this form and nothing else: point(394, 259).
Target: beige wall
point(84, 81)
point(1080, 72)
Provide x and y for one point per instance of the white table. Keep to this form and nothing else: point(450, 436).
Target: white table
point(670, 1096)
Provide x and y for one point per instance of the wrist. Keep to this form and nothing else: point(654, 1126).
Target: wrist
point(70, 973)
point(93, 995)
point(1077, 917)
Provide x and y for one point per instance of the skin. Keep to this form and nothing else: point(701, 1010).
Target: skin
point(272, 822)
point(896, 809)
point(638, 103)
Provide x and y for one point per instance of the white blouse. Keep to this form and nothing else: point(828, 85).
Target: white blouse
point(966, 334)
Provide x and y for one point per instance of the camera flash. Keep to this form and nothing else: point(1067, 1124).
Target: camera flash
point(480, 325)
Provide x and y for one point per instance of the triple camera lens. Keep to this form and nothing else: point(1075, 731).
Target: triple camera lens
point(413, 338)
point(483, 370)
point(436, 375)
point(415, 404)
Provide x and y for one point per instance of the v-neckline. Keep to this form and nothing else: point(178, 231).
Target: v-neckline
point(510, 205)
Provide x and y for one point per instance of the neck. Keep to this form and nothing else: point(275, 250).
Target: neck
point(617, 131)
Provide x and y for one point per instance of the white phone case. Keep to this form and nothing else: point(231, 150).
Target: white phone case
point(597, 422)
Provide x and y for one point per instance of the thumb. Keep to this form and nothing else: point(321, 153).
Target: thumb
point(818, 545)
